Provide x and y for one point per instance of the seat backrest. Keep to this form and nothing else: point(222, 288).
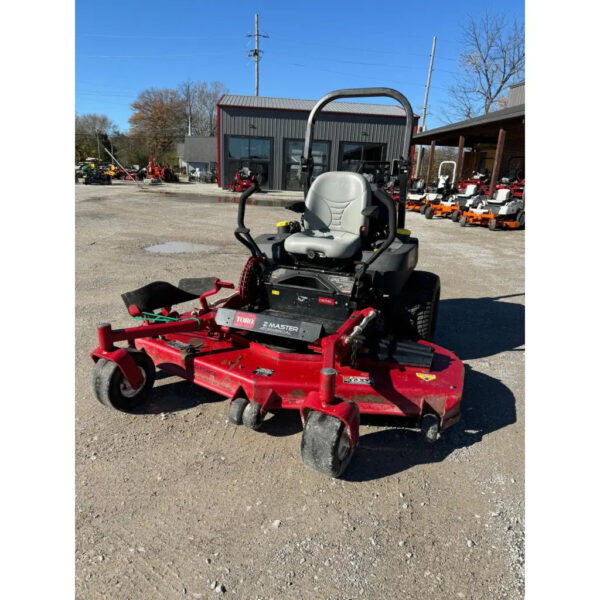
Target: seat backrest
point(502, 195)
point(335, 202)
point(470, 189)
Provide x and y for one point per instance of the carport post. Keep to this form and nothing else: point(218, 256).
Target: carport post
point(497, 161)
point(460, 157)
point(430, 163)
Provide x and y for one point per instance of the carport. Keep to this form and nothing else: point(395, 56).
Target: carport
point(497, 136)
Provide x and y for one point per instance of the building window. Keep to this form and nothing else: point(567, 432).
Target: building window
point(251, 152)
point(353, 153)
point(291, 157)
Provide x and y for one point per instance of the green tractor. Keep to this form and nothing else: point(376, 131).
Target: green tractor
point(93, 174)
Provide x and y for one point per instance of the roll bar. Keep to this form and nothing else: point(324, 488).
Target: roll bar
point(307, 160)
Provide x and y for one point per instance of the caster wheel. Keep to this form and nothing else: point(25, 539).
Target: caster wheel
point(236, 410)
point(251, 417)
point(430, 428)
point(463, 221)
point(114, 391)
point(455, 216)
point(325, 444)
point(423, 209)
point(428, 213)
point(493, 225)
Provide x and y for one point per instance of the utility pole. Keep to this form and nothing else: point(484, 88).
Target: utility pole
point(98, 142)
point(256, 53)
point(188, 93)
point(422, 123)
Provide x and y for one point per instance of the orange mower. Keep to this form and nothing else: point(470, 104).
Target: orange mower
point(503, 211)
point(443, 193)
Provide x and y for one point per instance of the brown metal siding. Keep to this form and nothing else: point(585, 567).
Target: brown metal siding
point(282, 124)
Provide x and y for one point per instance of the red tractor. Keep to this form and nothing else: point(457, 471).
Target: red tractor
point(160, 173)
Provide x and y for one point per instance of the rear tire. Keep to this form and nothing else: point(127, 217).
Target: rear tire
point(325, 445)
point(521, 219)
point(114, 391)
point(419, 303)
point(428, 213)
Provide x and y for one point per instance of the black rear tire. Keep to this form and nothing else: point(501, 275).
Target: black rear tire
point(521, 219)
point(325, 444)
point(416, 315)
point(428, 213)
point(114, 391)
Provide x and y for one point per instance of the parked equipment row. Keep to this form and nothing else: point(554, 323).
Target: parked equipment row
point(469, 202)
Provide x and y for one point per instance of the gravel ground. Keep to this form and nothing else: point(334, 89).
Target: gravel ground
point(177, 503)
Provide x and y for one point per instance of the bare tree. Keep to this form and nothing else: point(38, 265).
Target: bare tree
point(92, 133)
point(492, 59)
point(201, 105)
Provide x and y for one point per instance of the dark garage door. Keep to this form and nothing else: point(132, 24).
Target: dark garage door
point(252, 152)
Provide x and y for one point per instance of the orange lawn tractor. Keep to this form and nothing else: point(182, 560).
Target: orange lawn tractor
point(156, 173)
point(503, 211)
point(415, 195)
point(443, 191)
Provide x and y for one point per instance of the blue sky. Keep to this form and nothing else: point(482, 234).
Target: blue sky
point(123, 47)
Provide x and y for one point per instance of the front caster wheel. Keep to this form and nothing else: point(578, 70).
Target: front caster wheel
point(325, 444)
point(463, 221)
point(236, 410)
point(455, 216)
point(252, 417)
point(430, 428)
point(113, 390)
point(423, 208)
point(428, 213)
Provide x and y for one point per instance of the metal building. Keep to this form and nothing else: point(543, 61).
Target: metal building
point(197, 152)
point(266, 134)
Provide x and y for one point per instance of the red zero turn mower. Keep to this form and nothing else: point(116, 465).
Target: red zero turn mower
point(329, 319)
point(243, 179)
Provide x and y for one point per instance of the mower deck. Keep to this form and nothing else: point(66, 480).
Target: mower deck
point(229, 363)
point(235, 367)
point(488, 219)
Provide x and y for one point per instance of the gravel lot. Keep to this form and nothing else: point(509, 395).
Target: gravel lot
point(177, 503)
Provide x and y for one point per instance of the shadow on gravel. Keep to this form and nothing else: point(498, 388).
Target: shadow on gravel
point(478, 327)
point(282, 423)
point(487, 405)
point(176, 396)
